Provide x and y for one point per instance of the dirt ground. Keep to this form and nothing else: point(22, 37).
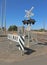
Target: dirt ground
point(10, 53)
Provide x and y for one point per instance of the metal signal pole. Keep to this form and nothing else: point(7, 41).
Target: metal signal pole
point(28, 15)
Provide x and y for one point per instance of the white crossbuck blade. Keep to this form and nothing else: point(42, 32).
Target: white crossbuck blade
point(29, 13)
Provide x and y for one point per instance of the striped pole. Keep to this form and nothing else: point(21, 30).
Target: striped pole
point(21, 43)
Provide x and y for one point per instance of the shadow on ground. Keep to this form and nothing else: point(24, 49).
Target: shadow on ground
point(45, 43)
point(29, 51)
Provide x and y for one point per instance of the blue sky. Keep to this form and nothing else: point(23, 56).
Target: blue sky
point(15, 12)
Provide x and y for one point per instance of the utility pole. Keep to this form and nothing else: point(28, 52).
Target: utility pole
point(44, 25)
point(3, 15)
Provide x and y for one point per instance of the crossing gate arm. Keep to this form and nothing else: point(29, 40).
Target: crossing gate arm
point(19, 39)
point(13, 37)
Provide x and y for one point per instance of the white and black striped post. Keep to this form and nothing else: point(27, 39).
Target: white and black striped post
point(21, 44)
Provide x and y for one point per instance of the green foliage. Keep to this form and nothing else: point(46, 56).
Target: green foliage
point(12, 28)
point(0, 28)
point(41, 30)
